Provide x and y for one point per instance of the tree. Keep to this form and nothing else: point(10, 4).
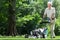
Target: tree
point(11, 18)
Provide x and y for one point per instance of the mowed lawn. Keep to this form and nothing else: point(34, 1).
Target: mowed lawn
point(22, 38)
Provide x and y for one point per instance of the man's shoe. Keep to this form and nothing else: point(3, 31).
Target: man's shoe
point(53, 37)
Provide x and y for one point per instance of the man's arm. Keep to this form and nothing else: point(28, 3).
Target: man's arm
point(53, 14)
point(44, 14)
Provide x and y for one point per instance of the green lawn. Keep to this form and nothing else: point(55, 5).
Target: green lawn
point(22, 38)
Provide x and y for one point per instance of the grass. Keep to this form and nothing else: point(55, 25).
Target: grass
point(22, 38)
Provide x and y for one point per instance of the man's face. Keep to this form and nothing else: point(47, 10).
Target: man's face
point(49, 5)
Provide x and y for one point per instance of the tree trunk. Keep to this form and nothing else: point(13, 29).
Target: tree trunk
point(11, 18)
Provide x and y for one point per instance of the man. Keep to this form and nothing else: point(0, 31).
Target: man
point(50, 12)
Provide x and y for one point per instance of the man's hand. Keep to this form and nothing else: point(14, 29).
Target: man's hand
point(44, 16)
point(52, 16)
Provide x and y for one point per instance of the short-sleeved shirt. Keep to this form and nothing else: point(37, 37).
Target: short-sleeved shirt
point(49, 12)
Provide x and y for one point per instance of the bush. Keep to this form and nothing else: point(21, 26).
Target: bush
point(28, 23)
point(57, 30)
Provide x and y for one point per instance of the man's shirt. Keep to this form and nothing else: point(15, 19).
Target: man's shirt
point(49, 12)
